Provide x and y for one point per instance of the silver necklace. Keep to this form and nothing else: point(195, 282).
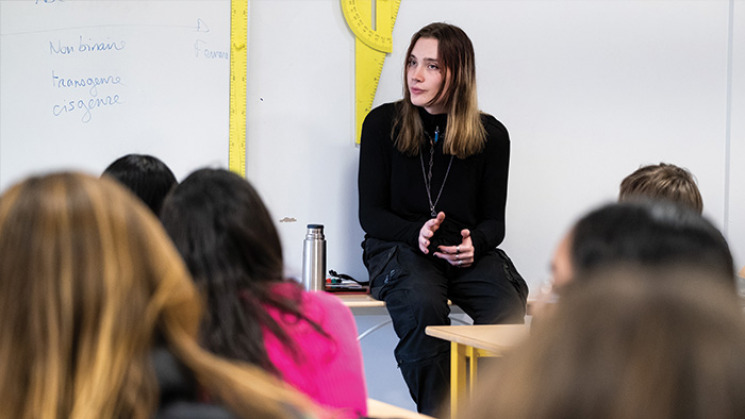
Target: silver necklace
point(428, 175)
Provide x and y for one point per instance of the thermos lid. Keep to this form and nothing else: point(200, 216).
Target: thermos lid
point(316, 226)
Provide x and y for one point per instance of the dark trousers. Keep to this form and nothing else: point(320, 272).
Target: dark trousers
point(415, 288)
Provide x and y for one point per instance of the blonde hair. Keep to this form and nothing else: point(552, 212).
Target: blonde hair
point(662, 181)
point(89, 284)
point(631, 343)
point(465, 135)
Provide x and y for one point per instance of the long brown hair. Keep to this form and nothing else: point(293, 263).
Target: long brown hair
point(225, 234)
point(89, 282)
point(465, 134)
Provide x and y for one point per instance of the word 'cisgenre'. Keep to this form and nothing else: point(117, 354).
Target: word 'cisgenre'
point(85, 106)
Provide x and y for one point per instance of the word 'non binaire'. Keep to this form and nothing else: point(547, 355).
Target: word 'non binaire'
point(86, 46)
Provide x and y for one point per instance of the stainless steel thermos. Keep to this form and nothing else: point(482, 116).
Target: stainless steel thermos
point(314, 258)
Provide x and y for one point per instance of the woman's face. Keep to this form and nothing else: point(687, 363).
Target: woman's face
point(425, 75)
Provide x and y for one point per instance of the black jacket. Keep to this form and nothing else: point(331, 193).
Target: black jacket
point(178, 391)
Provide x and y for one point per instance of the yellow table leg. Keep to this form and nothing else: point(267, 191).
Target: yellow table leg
point(472, 356)
point(457, 377)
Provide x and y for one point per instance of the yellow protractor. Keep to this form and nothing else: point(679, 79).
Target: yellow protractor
point(238, 69)
point(372, 42)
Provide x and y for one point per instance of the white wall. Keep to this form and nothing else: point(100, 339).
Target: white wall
point(589, 90)
point(735, 229)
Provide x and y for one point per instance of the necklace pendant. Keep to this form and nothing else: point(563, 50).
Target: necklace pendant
point(433, 213)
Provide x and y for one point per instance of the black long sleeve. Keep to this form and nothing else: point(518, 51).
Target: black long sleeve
point(393, 203)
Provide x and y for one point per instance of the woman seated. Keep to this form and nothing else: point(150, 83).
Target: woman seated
point(100, 316)
point(228, 240)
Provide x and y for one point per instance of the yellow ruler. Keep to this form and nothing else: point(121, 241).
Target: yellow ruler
point(238, 69)
point(373, 40)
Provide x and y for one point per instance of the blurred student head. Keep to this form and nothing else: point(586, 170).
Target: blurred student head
point(647, 233)
point(146, 176)
point(663, 182)
point(220, 223)
point(90, 286)
point(226, 235)
point(631, 343)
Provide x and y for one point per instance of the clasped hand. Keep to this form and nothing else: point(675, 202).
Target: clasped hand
point(461, 255)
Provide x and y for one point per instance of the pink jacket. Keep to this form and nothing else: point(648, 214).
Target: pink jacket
point(327, 369)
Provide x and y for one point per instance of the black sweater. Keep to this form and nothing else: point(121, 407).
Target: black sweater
point(393, 202)
point(178, 391)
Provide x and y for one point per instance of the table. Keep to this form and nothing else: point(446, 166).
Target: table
point(361, 300)
point(378, 409)
point(468, 344)
point(363, 304)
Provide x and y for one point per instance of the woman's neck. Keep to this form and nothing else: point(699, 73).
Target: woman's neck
point(434, 122)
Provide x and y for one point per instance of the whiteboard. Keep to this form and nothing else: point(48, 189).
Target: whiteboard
point(84, 82)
